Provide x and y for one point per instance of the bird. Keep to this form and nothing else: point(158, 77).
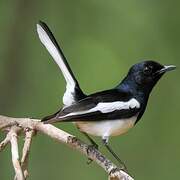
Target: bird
point(109, 112)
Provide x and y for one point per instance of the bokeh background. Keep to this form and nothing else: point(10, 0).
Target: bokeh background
point(101, 40)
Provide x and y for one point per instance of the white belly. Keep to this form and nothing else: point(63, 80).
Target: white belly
point(106, 128)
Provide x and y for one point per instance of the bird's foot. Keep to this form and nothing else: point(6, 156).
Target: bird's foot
point(89, 161)
point(123, 168)
point(91, 147)
point(115, 171)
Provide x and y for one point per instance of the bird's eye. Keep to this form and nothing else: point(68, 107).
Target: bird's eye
point(147, 70)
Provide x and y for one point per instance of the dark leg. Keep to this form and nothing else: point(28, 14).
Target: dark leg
point(93, 145)
point(105, 142)
point(91, 140)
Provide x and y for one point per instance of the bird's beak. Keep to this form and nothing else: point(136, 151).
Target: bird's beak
point(166, 68)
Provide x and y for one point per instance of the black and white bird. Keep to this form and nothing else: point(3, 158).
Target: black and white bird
point(107, 113)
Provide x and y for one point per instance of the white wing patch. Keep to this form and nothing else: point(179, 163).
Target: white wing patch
point(109, 107)
point(118, 105)
point(68, 98)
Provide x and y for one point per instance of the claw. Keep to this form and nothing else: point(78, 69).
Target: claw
point(90, 147)
point(89, 161)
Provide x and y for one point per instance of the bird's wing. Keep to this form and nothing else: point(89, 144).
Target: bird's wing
point(98, 107)
point(73, 92)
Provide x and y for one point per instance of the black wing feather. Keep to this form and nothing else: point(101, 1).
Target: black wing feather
point(91, 102)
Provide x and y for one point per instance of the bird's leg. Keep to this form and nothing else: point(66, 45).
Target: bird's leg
point(93, 145)
point(105, 142)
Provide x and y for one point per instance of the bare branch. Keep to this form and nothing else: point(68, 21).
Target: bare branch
point(5, 142)
point(25, 152)
point(15, 154)
point(73, 142)
point(7, 124)
point(119, 175)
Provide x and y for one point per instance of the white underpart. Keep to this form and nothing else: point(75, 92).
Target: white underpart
point(109, 107)
point(68, 98)
point(106, 128)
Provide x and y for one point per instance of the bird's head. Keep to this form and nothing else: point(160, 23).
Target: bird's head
point(147, 73)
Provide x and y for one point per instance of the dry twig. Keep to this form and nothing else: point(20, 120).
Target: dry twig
point(25, 152)
point(5, 142)
point(15, 153)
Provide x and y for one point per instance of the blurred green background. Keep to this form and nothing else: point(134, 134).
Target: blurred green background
point(101, 40)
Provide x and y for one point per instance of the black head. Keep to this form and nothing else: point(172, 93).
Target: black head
point(145, 75)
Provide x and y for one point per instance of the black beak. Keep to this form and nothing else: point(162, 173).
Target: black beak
point(165, 69)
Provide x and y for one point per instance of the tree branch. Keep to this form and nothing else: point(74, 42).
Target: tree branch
point(25, 152)
point(5, 142)
point(113, 171)
point(15, 153)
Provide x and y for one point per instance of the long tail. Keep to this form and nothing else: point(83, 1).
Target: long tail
point(73, 91)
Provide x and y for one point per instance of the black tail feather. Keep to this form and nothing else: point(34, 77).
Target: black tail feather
point(50, 119)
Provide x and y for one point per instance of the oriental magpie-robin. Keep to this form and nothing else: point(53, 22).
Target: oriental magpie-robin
point(107, 113)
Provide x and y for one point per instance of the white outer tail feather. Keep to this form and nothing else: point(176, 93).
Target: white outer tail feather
point(68, 97)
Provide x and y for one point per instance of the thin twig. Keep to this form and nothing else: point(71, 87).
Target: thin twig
point(5, 142)
point(25, 152)
point(15, 153)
